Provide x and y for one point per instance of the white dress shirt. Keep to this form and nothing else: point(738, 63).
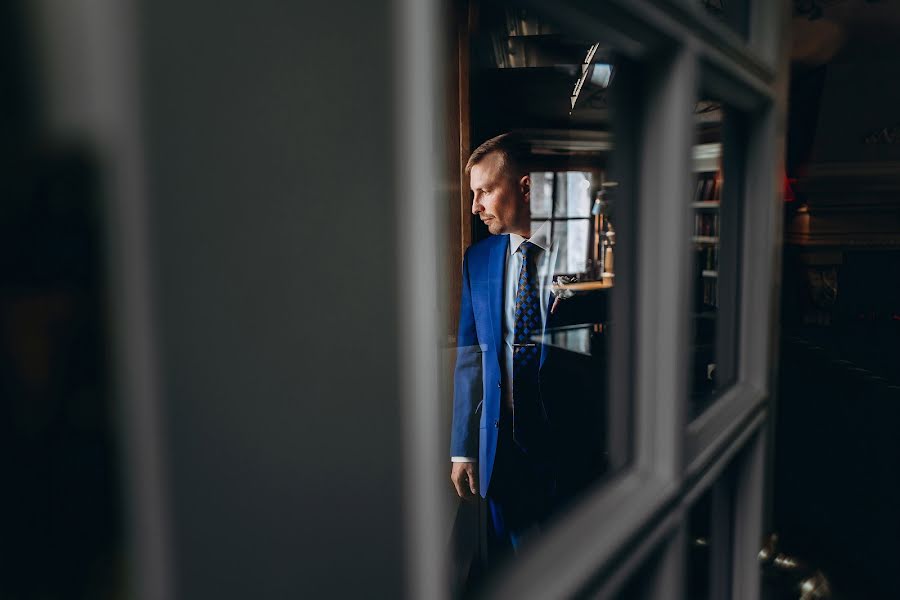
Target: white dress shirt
point(545, 259)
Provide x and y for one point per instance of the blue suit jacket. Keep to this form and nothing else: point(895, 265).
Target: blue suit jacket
point(478, 376)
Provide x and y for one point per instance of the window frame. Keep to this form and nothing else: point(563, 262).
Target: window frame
point(643, 508)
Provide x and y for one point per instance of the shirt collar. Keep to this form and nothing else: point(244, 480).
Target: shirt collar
point(540, 238)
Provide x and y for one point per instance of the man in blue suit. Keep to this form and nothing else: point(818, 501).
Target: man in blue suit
point(501, 446)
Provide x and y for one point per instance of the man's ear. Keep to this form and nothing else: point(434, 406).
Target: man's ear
point(525, 186)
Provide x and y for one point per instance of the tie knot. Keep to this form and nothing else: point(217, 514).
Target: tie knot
point(526, 247)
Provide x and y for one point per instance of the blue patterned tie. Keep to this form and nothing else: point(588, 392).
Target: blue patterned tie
point(526, 355)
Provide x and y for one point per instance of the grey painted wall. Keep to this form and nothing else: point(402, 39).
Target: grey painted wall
point(270, 188)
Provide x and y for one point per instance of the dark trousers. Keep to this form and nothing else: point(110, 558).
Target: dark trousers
point(521, 495)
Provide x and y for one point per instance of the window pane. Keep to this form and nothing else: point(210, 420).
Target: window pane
point(580, 185)
point(578, 195)
point(715, 234)
point(562, 194)
point(557, 95)
point(567, 196)
point(573, 245)
point(542, 193)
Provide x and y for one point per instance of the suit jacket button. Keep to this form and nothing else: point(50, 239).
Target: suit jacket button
point(499, 384)
point(496, 423)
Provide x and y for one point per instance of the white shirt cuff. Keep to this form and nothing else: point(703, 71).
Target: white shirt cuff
point(462, 459)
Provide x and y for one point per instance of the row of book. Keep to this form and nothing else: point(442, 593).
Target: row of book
point(706, 224)
point(706, 234)
point(708, 258)
point(709, 187)
point(710, 293)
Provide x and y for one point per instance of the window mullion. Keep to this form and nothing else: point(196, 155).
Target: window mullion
point(748, 520)
point(666, 581)
point(663, 262)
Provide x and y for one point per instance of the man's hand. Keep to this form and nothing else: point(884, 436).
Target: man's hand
point(464, 476)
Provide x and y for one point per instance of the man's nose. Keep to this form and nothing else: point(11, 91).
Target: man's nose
point(476, 205)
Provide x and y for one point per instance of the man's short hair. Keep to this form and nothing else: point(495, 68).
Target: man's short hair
point(512, 149)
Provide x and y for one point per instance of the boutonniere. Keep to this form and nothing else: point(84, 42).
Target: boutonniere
point(561, 291)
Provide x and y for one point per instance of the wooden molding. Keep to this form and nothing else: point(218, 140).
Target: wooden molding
point(458, 128)
point(847, 205)
point(844, 241)
point(828, 171)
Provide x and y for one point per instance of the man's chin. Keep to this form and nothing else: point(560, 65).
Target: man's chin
point(494, 227)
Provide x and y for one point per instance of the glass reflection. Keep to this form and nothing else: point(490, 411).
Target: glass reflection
point(534, 425)
point(715, 240)
point(705, 238)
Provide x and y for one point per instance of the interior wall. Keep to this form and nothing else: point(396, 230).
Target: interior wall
point(273, 247)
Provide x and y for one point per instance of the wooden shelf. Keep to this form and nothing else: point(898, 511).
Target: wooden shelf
point(583, 286)
point(709, 204)
point(705, 239)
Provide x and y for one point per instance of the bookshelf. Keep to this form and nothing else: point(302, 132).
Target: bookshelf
point(705, 204)
point(705, 238)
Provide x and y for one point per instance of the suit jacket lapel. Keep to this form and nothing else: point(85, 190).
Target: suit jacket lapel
point(496, 268)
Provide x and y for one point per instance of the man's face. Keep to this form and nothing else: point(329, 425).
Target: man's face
point(498, 199)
